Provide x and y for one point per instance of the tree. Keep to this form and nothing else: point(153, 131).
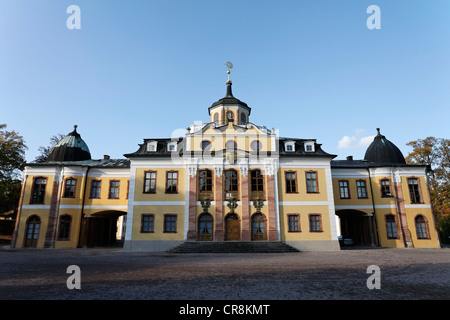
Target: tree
point(45, 151)
point(12, 161)
point(435, 152)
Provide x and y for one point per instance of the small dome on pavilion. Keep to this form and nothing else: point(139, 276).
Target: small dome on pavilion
point(70, 148)
point(383, 150)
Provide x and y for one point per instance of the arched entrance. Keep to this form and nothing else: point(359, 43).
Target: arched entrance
point(32, 231)
point(259, 227)
point(100, 229)
point(205, 227)
point(232, 227)
point(358, 226)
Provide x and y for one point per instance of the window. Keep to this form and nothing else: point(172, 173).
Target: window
point(32, 235)
point(361, 189)
point(216, 118)
point(206, 145)
point(256, 145)
point(152, 146)
point(293, 223)
point(257, 184)
point(38, 193)
point(315, 223)
point(391, 227)
point(243, 118)
point(64, 227)
point(291, 182)
point(385, 188)
point(114, 189)
point(170, 223)
point(171, 147)
point(95, 188)
point(343, 189)
point(421, 227)
point(205, 184)
point(311, 182)
point(231, 145)
point(172, 182)
point(69, 188)
point(414, 192)
point(309, 146)
point(289, 147)
point(231, 185)
point(147, 223)
point(258, 227)
point(230, 116)
point(150, 182)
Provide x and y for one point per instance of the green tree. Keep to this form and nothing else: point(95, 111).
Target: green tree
point(12, 161)
point(45, 151)
point(435, 152)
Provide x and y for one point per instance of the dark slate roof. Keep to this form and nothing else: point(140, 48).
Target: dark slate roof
point(384, 151)
point(161, 148)
point(101, 163)
point(368, 164)
point(70, 148)
point(229, 99)
point(300, 149)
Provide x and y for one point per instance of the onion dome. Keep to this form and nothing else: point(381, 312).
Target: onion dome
point(70, 148)
point(383, 150)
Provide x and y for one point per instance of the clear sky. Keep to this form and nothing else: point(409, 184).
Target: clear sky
point(142, 69)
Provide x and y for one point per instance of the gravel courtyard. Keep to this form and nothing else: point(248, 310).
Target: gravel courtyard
point(111, 274)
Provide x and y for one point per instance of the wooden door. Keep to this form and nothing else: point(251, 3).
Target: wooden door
point(32, 232)
point(233, 230)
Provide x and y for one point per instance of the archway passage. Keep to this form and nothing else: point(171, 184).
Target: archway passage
point(205, 227)
point(259, 227)
point(232, 227)
point(100, 229)
point(358, 226)
point(32, 233)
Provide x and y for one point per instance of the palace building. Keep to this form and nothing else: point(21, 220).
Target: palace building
point(225, 180)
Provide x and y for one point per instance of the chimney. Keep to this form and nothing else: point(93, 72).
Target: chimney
point(105, 157)
point(350, 158)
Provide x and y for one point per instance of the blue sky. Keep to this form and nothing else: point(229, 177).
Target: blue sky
point(142, 69)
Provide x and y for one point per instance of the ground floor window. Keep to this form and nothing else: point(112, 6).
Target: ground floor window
point(205, 227)
point(147, 223)
point(293, 222)
point(421, 227)
point(258, 227)
point(315, 223)
point(64, 227)
point(391, 227)
point(170, 223)
point(32, 231)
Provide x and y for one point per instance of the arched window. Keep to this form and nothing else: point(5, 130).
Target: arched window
point(206, 145)
point(243, 118)
point(231, 145)
point(256, 145)
point(231, 184)
point(64, 227)
point(258, 227)
point(32, 231)
point(205, 227)
point(421, 227)
point(216, 118)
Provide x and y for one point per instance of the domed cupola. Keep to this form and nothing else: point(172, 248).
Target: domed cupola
point(229, 109)
point(70, 148)
point(383, 150)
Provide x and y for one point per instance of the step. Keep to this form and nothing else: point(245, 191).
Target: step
point(232, 247)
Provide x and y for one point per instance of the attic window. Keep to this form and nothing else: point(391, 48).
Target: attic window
point(151, 146)
point(309, 146)
point(289, 146)
point(172, 146)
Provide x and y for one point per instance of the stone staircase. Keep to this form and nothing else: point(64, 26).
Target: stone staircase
point(232, 247)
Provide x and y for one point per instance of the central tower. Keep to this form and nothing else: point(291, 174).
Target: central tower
point(229, 109)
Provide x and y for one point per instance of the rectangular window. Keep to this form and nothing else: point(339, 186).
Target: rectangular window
point(315, 223)
point(147, 223)
point(170, 223)
point(293, 220)
point(150, 182)
point(385, 188)
point(343, 189)
point(361, 188)
point(69, 188)
point(257, 184)
point(291, 182)
point(172, 182)
point(38, 193)
point(311, 182)
point(95, 189)
point(114, 189)
point(231, 185)
point(414, 192)
point(64, 227)
point(391, 227)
